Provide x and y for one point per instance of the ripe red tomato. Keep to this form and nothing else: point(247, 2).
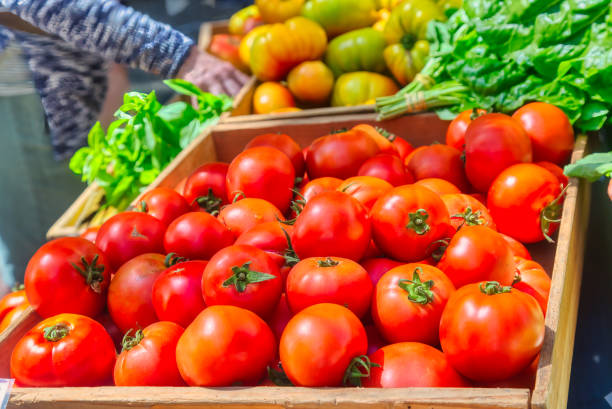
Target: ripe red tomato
point(377, 267)
point(12, 300)
point(244, 276)
point(318, 186)
point(286, 145)
point(383, 138)
point(550, 131)
point(408, 302)
point(339, 155)
point(197, 236)
point(232, 346)
point(262, 172)
point(531, 278)
point(407, 221)
point(438, 186)
point(404, 148)
point(477, 253)
point(492, 143)
point(336, 280)
point(438, 161)
point(130, 234)
point(366, 189)
point(525, 203)
point(130, 294)
point(67, 275)
point(280, 317)
point(177, 293)
point(484, 323)
point(64, 350)
point(90, 233)
point(557, 171)
point(411, 365)
point(464, 210)
point(245, 214)
point(148, 357)
point(517, 248)
point(111, 328)
point(14, 315)
point(386, 167)
point(320, 343)
point(332, 224)
point(455, 134)
point(164, 204)
point(206, 187)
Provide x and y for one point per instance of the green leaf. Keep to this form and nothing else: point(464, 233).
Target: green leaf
point(189, 133)
point(184, 87)
point(591, 167)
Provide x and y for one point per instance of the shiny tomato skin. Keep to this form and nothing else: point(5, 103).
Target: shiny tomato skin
point(164, 204)
point(14, 315)
point(280, 317)
point(130, 302)
point(177, 293)
point(366, 189)
point(54, 285)
point(232, 346)
point(83, 357)
point(478, 253)
point(517, 198)
point(386, 167)
point(245, 214)
point(208, 178)
point(478, 329)
point(90, 233)
point(438, 161)
point(464, 210)
point(532, 279)
point(320, 185)
point(10, 301)
point(152, 362)
point(336, 280)
point(525, 379)
point(557, 171)
point(492, 143)
point(197, 236)
point(319, 343)
point(438, 186)
point(130, 234)
point(455, 134)
point(262, 172)
point(410, 365)
point(378, 266)
point(286, 145)
point(517, 248)
point(401, 319)
point(385, 143)
point(550, 132)
point(269, 237)
point(404, 148)
point(394, 233)
point(332, 224)
point(260, 297)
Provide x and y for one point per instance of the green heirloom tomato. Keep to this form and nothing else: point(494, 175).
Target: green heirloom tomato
point(358, 50)
point(406, 62)
point(341, 16)
point(357, 88)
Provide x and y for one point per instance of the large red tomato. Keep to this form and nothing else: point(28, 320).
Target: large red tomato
point(465, 210)
point(455, 134)
point(407, 221)
point(332, 224)
point(67, 275)
point(531, 278)
point(245, 214)
point(280, 317)
point(197, 236)
point(64, 350)
point(286, 145)
point(12, 300)
point(262, 172)
point(206, 187)
point(320, 343)
point(320, 185)
point(439, 186)
point(404, 148)
point(408, 303)
point(387, 167)
point(492, 143)
point(232, 346)
point(366, 189)
point(148, 357)
point(525, 202)
point(517, 248)
point(164, 204)
point(438, 161)
point(557, 171)
point(377, 267)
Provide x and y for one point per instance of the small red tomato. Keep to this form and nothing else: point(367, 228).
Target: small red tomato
point(531, 278)
point(12, 300)
point(280, 317)
point(383, 138)
point(386, 167)
point(90, 233)
point(464, 210)
point(408, 303)
point(197, 236)
point(557, 171)
point(438, 161)
point(164, 204)
point(177, 293)
point(404, 148)
point(148, 357)
point(130, 234)
point(411, 365)
point(438, 186)
point(206, 187)
point(377, 267)
point(245, 214)
point(455, 134)
point(320, 185)
point(14, 315)
point(286, 145)
point(366, 189)
point(517, 248)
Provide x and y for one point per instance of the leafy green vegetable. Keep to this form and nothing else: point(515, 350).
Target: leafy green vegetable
point(591, 167)
point(143, 140)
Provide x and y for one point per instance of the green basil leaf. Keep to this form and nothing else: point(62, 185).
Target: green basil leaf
point(591, 167)
point(184, 87)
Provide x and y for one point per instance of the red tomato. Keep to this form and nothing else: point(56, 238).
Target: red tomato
point(280, 317)
point(410, 365)
point(366, 189)
point(164, 204)
point(377, 267)
point(130, 294)
point(247, 213)
point(524, 380)
point(375, 340)
point(334, 280)
point(477, 253)
point(438, 161)
point(12, 300)
point(318, 186)
point(64, 350)
point(455, 134)
point(339, 155)
point(372, 251)
point(90, 233)
point(531, 278)
point(320, 343)
point(177, 293)
point(465, 210)
point(197, 236)
point(206, 187)
point(286, 145)
point(517, 248)
point(386, 167)
point(480, 197)
point(67, 275)
point(408, 302)
point(130, 234)
point(232, 346)
point(148, 357)
point(404, 148)
point(244, 276)
point(262, 172)
point(485, 323)
point(550, 131)
point(407, 221)
point(492, 143)
point(332, 224)
point(438, 186)
point(111, 328)
point(525, 203)
point(14, 315)
point(383, 138)
point(557, 171)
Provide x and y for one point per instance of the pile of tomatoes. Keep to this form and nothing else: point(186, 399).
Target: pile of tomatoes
point(357, 261)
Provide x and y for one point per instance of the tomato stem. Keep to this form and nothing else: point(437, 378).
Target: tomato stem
point(440, 250)
point(339, 130)
point(418, 222)
point(328, 262)
point(209, 203)
point(142, 207)
point(238, 195)
point(56, 332)
point(517, 278)
point(128, 342)
point(493, 287)
point(243, 275)
point(418, 292)
point(470, 217)
point(551, 214)
point(173, 259)
point(390, 136)
point(92, 272)
point(359, 368)
point(297, 206)
point(290, 256)
point(408, 41)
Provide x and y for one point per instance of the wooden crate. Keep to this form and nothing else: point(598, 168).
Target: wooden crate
point(222, 143)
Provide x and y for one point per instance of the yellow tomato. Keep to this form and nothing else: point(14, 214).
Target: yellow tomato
point(247, 43)
point(311, 81)
point(271, 96)
point(358, 88)
point(277, 11)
